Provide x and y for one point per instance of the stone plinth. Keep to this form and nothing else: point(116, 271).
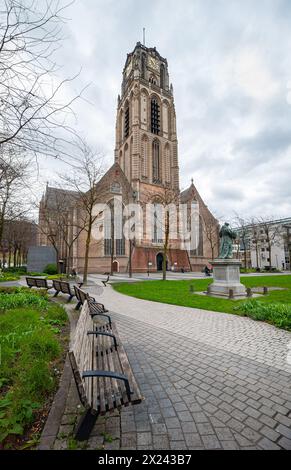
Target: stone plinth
point(226, 277)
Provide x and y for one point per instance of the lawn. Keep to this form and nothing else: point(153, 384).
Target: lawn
point(178, 293)
point(33, 336)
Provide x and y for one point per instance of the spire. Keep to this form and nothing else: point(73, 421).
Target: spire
point(192, 181)
point(143, 30)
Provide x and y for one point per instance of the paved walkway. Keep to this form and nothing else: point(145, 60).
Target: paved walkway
point(210, 381)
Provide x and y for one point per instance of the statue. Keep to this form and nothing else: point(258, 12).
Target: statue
point(227, 236)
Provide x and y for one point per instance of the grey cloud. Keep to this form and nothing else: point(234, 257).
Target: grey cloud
point(202, 41)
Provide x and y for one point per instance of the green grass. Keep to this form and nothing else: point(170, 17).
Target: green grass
point(178, 293)
point(5, 277)
point(30, 348)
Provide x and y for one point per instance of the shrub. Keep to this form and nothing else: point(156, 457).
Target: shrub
point(276, 313)
point(19, 269)
point(51, 269)
point(22, 299)
point(8, 276)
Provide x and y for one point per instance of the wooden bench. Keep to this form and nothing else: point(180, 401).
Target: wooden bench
point(64, 287)
point(107, 280)
point(37, 282)
point(96, 309)
point(81, 297)
point(101, 370)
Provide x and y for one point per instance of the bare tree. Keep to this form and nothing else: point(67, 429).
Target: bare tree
point(18, 235)
point(83, 180)
point(271, 235)
point(14, 171)
point(57, 223)
point(211, 230)
point(165, 200)
point(255, 240)
point(243, 236)
point(32, 111)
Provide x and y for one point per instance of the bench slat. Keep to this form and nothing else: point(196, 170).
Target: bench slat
point(91, 352)
point(101, 382)
point(136, 396)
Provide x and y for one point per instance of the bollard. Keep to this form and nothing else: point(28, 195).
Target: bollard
point(249, 292)
point(231, 294)
point(265, 290)
point(208, 290)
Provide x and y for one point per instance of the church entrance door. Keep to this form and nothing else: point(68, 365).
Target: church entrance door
point(160, 258)
point(115, 267)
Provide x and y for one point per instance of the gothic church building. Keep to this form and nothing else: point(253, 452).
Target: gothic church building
point(146, 165)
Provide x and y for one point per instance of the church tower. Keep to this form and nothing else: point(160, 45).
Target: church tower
point(146, 139)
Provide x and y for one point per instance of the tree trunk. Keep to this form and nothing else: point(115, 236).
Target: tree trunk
point(245, 258)
point(129, 261)
point(167, 229)
point(212, 252)
point(112, 244)
point(88, 241)
point(257, 255)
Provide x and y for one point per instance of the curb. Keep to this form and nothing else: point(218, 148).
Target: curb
point(53, 421)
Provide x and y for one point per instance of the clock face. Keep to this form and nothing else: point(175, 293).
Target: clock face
point(153, 63)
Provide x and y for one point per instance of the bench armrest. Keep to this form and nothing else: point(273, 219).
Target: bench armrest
point(101, 333)
point(113, 375)
point(102, 315)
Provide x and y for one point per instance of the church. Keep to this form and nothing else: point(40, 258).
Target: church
point(145, 168)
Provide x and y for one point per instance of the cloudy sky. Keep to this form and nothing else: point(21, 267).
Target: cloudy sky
point(230, 65)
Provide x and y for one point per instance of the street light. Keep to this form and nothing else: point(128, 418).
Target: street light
point(149, 266)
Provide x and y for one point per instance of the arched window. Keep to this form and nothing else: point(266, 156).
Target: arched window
point(126, 161)
point(167, 164)
point(126, 122)
point(156, 161)
point(115, 187)
point(162, 76)
point(144, 157)
point(155, 116)
point(120, 126)
point(116, 248)
point(199, 250)
point(157, 226)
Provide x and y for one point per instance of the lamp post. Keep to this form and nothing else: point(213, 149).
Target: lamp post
point(149, 266)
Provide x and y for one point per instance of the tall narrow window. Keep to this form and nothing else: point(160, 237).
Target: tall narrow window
point(162, 76)
point(156, 162)
point(126, 122)
point(199, 250)
point(113, 245)
point(155, 116)
point(143, 66)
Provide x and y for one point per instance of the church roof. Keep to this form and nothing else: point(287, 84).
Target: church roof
point(53, 196)
point(190, 194)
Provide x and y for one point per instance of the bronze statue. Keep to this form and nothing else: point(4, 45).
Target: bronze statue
point(227, 237)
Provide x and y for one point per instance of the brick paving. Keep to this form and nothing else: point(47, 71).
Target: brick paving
point(210, 381)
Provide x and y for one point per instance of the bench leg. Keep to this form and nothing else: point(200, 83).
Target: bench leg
point(78, 305)
point(57, 292)
point(70, 298)
point(85, 426)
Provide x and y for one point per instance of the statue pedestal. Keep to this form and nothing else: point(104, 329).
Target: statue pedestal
point(226, 277)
